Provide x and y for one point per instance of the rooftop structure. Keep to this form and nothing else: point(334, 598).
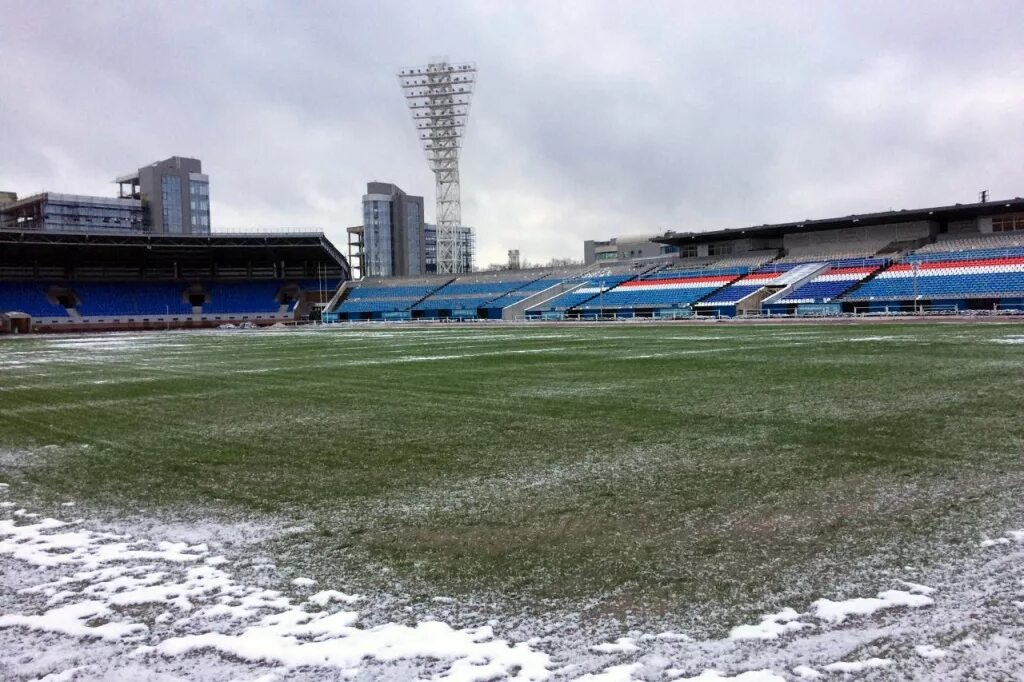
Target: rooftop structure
point(170, 196)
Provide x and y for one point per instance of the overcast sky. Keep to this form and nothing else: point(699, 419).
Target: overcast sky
point(591, 119)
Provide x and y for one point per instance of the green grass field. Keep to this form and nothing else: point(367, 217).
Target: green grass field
point(627, 468)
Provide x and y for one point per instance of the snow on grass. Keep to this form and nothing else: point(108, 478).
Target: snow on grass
point(620, 646)
point(916, 588)
point(1016, 536)
point(771, 626)
point(839, 611)
point(748, 676)
point(858, 666)
point(616, 673)
point(72, 620)
point(929, 651)
point(107, 576)
point(806, 672)
point(877, 338)
point(325, 597)
point(303, 582)
point(1012, 340)
point(63, 676)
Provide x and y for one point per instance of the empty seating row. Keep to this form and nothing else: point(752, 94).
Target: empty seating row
point(29, 298)
point(945, 279)
point(834, 282)
point(242, 297)
point(112, 299)
point(662, 290)
point(522, 292)
point(130, 298)
point(980, 242)
point(414, 292)
point(825, 252)
point(969, 255)
point(747, 285)
point(592, 287)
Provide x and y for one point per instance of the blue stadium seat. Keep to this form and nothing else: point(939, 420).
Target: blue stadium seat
point(242, 297)
point(130, 298)
point(986, 273)
point(29, 298)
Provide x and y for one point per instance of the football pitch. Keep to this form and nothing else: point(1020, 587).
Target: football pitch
point(696, 475)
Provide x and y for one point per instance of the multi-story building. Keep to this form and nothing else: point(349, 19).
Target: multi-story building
point(52, 212)
point(394, 240)
point(624, 248)
point(167, 197)
point(466, 243)
point(175, 195)
point(392, 232)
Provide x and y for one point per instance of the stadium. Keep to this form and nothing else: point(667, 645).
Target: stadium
point(943, 260)
point(776, 452)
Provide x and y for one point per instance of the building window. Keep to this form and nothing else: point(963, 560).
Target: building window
point(720, 249)
point(1008, 223)
point(170, 186)
point(688, 251)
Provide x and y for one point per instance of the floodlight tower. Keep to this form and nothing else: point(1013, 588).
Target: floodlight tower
point(438, 95)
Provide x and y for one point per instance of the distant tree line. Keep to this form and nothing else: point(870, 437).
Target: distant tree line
point(525, 264)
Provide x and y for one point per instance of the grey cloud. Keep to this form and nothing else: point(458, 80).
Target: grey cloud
point(591, 118)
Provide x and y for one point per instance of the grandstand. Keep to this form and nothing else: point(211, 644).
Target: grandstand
point(947, 258)
point(53, 281)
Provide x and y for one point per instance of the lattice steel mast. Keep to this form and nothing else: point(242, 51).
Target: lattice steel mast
point(439, 95)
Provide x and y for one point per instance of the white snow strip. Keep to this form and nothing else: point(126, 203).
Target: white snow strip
point(327, 596)
point(806, 672)
point(71, 620)
point(929, 651)
point(988, 542)
point(916, 588)
point(622, 645)
point(858, 666)
point(749, 676)
point(64, 676)
point(838, 611)
point(303, 582)
point(616, 673)
point(771, 626)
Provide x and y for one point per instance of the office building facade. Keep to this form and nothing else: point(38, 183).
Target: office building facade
point(166, 197)
point(393, 235)
point(394, 240)
point(175, 195)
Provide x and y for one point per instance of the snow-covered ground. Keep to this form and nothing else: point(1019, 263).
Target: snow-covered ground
point(80, 601)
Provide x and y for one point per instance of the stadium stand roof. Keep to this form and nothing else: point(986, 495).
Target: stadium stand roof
point(943, 213)
point(24, 247)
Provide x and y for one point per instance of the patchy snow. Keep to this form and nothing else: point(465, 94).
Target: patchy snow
point(616, 673)
point(929, 651)
point(1012, 536)
point(325, 597)
point(142, 607)
point(106, 576)
point(838, 611)
point(623, 645)
point(63, 676)
point(748, 676)
point(916, 588)
point(771, 626)
point(72, 620)
point(1015, 339)
point(989, 542)
point(858, 666)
